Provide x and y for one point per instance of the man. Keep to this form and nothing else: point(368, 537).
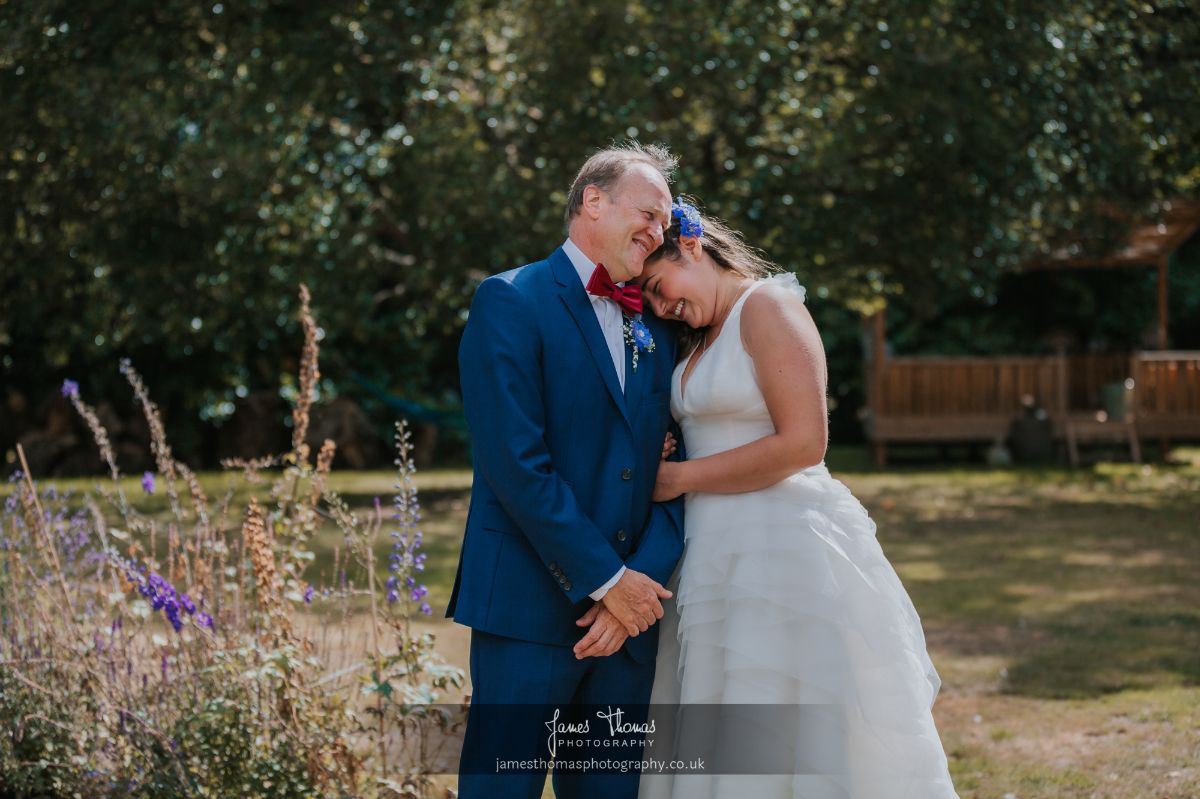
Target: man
point(564, 555)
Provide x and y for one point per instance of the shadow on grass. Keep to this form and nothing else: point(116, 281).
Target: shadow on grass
point(1104, 647)
point(1081, 590)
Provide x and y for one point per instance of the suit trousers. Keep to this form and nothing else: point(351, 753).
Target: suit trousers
point(508, 672)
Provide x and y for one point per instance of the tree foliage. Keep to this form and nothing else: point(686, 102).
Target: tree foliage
point(169, 172)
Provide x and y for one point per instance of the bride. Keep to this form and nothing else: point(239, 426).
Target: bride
point(783, 597)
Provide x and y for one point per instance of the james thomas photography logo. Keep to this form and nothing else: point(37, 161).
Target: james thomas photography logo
point(617, 727)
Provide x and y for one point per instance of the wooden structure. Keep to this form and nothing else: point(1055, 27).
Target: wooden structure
point(975, 399)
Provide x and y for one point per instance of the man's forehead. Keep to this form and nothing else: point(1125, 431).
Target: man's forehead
point(646, 181)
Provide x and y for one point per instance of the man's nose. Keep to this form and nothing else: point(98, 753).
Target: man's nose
point(657, 232)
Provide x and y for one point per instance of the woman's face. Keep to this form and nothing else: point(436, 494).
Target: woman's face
point(683, 288)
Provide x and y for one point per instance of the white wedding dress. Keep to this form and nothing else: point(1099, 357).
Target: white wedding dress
point(784, 597)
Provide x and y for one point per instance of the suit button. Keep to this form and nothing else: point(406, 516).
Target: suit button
point(621, 535)
point(562, 579)
point(566, 586)
point(553, 566)
point(627, 474)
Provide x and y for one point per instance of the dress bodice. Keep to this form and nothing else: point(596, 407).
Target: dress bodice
point(721, 406)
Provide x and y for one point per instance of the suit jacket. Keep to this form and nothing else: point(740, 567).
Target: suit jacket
point(564, 461)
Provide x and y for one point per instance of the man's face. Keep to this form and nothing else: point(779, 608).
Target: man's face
point(631, 219)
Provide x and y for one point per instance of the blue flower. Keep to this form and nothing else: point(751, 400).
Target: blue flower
point(70, 389)
point(162, 595)
point(148, 482)
point(308, 595)
point(641, 334)
point(689, 219)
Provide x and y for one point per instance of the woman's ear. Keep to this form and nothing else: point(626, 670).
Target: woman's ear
point(691, 246)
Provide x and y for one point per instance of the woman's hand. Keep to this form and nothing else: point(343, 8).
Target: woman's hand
point(669, 446)
point(670, 480)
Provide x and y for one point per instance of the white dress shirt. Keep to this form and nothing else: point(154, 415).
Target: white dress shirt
point(610, 317)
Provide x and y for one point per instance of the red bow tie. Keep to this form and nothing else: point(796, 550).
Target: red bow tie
point(628, 297)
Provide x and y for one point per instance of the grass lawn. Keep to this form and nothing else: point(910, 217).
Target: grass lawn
point(1061, 607)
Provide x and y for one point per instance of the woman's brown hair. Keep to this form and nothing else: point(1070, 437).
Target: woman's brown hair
point(726, 247)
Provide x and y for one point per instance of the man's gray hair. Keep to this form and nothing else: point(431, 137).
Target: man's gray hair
point(606, 168)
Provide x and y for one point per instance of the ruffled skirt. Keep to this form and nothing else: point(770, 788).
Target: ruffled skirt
point(783, 597)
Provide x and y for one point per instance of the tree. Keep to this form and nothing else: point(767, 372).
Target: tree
point(169, 173)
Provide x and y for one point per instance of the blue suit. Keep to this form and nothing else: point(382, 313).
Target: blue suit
point(565, 463)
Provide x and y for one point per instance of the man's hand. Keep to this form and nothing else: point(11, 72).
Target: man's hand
point(634, 600)
point(606, 636)
point(669, 446)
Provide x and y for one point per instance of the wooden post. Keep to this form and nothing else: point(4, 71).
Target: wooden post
point(874, 382)
point(1164, 444)
point(1162, 302)
point(1062, 397)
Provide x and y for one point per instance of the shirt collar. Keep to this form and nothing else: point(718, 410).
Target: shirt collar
point(583, 265)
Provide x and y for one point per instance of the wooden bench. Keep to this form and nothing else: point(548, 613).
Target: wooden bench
point(1093, 428)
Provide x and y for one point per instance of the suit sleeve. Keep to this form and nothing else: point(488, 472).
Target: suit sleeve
point(500, 370)
point(661, 544)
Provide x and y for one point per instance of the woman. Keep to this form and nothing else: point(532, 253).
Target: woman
point(784, 598)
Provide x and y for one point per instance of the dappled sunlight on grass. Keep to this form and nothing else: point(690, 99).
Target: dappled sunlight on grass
point(922, 570)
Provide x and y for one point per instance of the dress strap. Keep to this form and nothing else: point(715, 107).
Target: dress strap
point(737, 305)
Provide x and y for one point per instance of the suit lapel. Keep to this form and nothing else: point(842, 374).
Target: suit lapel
point(575, 297)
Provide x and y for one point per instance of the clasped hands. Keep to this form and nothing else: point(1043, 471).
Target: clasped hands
point(632, 605)
point(629, 608)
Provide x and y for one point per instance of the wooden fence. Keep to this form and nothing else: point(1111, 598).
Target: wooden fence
point(928, 399)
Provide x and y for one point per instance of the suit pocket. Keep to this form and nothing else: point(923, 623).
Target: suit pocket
point(492, 517)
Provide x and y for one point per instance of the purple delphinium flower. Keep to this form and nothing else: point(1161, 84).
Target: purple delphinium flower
point(162, 595)
point(148, 482)
point(308, 595)
point(70, 389)
point(405, 557)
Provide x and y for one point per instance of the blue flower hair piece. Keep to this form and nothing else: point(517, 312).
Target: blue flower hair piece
point(689, 219)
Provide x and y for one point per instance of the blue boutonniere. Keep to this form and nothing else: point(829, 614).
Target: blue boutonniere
point(638, 337)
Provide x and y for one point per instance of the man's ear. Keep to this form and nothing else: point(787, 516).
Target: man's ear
point(592, 199)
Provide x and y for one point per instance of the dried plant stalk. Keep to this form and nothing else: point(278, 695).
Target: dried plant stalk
point(309, 374)
point(324, 465)
point(98, 432)
point(159, 447)
point(257, 541)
